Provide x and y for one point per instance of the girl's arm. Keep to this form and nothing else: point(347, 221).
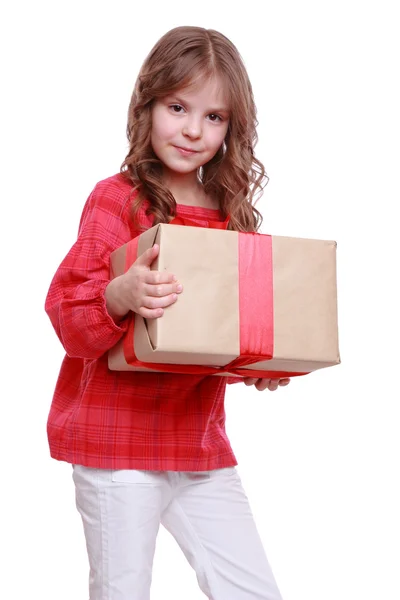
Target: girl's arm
point(76, 301)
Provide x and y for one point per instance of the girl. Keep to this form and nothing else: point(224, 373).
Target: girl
point(151, 448)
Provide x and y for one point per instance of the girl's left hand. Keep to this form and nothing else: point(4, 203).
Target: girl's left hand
point(263, 384)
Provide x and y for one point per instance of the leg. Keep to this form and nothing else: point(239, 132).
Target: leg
point(212, 522)
point(121, 513)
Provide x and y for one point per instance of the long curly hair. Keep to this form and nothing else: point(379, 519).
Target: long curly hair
point(234, 176)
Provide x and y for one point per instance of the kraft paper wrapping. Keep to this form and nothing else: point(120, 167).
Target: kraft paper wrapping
point(203, 326)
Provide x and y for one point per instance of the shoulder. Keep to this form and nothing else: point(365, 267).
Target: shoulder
point(112, 198)
point(115, 192)
point(115, 182)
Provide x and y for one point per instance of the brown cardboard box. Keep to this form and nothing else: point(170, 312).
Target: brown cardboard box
point(203, 326)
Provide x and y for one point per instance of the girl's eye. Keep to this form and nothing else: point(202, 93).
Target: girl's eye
point(176, 108)
point(214, 117)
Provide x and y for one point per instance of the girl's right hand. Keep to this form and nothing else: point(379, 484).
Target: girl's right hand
point(141, 290)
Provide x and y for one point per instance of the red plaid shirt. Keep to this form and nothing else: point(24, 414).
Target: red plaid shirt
point(123, 420)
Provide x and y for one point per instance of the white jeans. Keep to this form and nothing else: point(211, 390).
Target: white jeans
point(208, 514)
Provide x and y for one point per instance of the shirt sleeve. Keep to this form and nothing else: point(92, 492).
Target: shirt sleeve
point(75, 302)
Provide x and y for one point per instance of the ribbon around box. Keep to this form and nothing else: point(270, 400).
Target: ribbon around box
point(255, 306)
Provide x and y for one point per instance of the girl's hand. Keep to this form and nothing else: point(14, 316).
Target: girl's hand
point(263, 384)
point(141, 290)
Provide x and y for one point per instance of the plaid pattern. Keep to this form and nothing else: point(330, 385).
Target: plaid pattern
point(123, 420)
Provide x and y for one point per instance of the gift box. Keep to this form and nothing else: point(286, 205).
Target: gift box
point(252, 304)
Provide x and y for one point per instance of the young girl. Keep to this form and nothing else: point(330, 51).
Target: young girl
point(151, 448)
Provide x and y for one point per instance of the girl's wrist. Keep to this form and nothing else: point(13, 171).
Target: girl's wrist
point(115, 307)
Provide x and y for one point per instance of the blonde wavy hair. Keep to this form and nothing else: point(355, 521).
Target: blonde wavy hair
point(234, 176)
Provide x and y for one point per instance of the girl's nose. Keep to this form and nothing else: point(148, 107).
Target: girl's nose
point(192, 129)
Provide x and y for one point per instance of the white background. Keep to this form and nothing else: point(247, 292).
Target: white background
point(319, 459)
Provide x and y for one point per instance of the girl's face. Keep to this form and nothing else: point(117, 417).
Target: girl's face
point(189, 126)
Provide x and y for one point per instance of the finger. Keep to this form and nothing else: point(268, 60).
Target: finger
point(158, 277)
point(284, 381)
point(262, 384)
point(250, 380)
point(154, 303)
point(148, 313)
point(162, 289)
point(145, 259)
point(273, 385)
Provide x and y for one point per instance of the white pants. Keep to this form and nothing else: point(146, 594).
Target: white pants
point(207, 513)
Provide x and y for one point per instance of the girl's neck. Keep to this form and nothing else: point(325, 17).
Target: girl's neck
point(190, 192)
